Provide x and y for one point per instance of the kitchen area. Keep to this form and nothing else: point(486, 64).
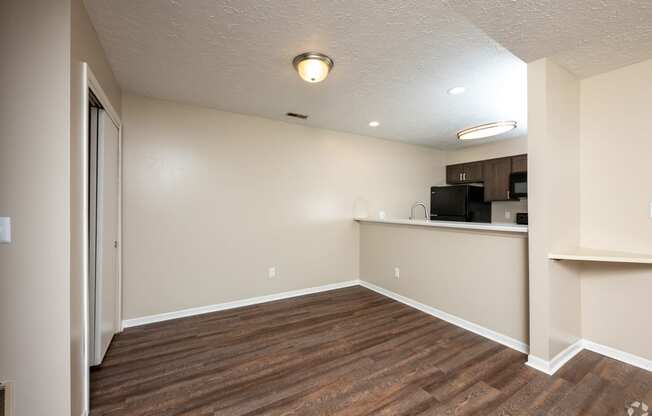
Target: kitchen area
point(461, 256)
point(489, 194)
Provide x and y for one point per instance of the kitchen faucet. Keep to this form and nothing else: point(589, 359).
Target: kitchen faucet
point(425, 210)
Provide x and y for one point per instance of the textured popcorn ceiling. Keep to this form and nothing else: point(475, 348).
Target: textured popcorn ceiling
point(587, 37)
point(394, 61)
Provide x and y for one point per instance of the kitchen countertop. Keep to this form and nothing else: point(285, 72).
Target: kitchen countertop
point(485, 226)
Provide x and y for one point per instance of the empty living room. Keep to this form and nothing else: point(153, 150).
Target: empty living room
point(254, 207)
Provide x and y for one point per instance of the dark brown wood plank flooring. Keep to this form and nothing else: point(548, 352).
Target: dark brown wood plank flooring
point(345, 352)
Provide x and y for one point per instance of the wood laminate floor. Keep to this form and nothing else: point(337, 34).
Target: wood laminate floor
point(345, 352)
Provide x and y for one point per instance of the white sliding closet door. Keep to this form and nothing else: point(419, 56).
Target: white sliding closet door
point(106, 283)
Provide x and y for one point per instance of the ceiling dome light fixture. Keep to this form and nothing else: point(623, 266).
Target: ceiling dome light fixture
point(313, 66)
point(374, 124)
point(486, 130)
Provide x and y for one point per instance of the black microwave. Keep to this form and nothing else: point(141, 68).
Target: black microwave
point(518, 185)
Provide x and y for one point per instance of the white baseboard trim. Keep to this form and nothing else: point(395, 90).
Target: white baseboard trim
point(462, 323)
point(548, 367)
point(128, 323)
point(551, 367)
point(619, 355)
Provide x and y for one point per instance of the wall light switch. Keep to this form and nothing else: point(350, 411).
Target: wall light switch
point(271, 273)
point(508, 215)
point(5, 230)
point(397, 272)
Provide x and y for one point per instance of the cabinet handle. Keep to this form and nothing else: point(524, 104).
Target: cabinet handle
point(464, 175)
point(460, 177)
point(507, 194)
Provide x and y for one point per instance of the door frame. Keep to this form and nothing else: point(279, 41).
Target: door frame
point(90, 82)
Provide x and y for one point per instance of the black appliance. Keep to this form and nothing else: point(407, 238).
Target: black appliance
point(518, 185)
point(521, 218)
point(459, 203)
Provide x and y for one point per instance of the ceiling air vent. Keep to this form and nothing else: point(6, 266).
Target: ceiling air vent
point(297, 115)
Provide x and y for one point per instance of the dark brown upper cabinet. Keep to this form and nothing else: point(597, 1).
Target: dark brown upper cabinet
point(519, 163)
point(494, 173)
point(454, 173)
point(496, 179)
point(464, 173)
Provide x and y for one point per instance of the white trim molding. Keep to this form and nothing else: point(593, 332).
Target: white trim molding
point(619, 355)
point(551, 367)
point(128, 323)
point(90, 82)
point(547, 367)
point(457, 321)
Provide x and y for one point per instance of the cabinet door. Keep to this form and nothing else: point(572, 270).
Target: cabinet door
point(519, 163)
point(454, 174)
point(472, 172)
point(496, 179)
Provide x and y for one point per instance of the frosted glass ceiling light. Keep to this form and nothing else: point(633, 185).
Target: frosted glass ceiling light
point(486, 130)
point(312, 66)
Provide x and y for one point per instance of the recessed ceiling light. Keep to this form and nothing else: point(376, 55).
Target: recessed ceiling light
point(374, 124)
point(456, 90)
point(312, 66)
point(486, 130)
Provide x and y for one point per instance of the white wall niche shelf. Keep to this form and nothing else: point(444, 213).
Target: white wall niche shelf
point(593, 255)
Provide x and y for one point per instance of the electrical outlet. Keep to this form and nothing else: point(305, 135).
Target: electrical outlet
point(508, 215)
point(397, 272)
point(650, 209)
point(271, 272)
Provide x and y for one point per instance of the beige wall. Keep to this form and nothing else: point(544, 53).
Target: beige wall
point(616, 155)
point(491, 150)
point(212, 199)
point(479, 276)
point(85, 47)
point(34, 189)
point(518, 146)
point(553, 203)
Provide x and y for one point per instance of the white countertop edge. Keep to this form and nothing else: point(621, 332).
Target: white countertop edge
point(512, 228)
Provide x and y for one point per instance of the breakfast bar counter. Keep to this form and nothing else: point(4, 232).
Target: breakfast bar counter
point(511, 228)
